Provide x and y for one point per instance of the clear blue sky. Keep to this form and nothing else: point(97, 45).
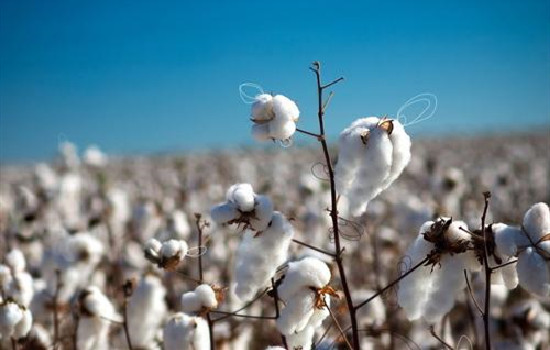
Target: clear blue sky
point(151, 76)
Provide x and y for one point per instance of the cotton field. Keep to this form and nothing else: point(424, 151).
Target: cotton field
point(99, 252)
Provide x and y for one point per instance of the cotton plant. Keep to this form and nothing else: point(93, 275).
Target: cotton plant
point(184, 332)
point(274, 117)
point(372, 154)
point(245, 207)
point(15, 320)
point(96, 313)
point(431, 290)
point(531, 244)
point(306, 293)
point(200, 300)
point(259, 255)
point(146, 311)
point(167, 255)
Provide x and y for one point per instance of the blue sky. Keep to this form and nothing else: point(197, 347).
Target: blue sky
point(153, 76)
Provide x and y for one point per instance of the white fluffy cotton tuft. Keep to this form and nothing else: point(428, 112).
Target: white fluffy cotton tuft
point(183, 332)
point(373, 153)
point(203, 297)
point(259, 255)
point(274, 117)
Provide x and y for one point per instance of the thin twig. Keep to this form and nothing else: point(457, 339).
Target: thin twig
point(314, 248)
point(247, 305)
point(276, 302)
point(342, 334)
point(505, 264)
point(201, 278)
point(308, 133)
point(381, 291)
point(434, 334)
point(332, 83)
point(472, 294)
point(488, 271)
point(233, 314)
point(316, 68)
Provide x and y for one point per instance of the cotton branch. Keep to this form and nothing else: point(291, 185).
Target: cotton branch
point(128, 289)
point(488, 272)
point(434, 334)
point(316, 68)
point(276, 302)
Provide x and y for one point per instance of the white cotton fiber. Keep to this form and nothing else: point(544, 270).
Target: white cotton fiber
point(305, 273)
point(242, 195)
point(203, 297)
point(16, 261)
point(152, 247)
point(10, 315)
point(537, 221)
point(260, 254)
point(223, 213)
point(146, 311)
point(23, 327)
point(93, 326)
point(183, 332)
point(430, 292)
point(263, 213)
point(373, 153)
point(21, 289)
point(534, 273)
point(274, 117)
point(172, 248)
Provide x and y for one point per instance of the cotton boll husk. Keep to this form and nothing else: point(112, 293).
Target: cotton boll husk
point(23, 327)
point(262, 108)
point(223, 213)
point(242, 195)
point(537, 221)
point(263, 213)
point(146, 310)
point(308, 272)
point(16, 261)
point(259, 256)
point(534, 273)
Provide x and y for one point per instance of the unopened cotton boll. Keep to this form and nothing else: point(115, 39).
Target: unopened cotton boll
point(259, 255)
point(183, 332)
point(203, 297)
point(373, 152)
point(274, 117)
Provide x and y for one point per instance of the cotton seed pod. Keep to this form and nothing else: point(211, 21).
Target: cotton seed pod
point(203, 297)
point(274, 117)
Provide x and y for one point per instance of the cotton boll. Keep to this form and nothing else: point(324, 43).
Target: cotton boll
point(242, 195)
point(263, 213)
point(174, 248)
point(146, 311)
point(10, 315)
point(537, 221)
point(21, 289)
point(274, 117)
point(534, 273)
point(308, 272)
point(301, 340)
point(94, 157)
point(5, 277)
point(96, 311)
point(16, 261)
point(152, 248)
point(373, 153)
point(507, 239)
point(203, 297)
point(298, 310)
point(457, 232)
point(183, 332)
point(262, 108)
point(223, 213)
point(260, 132)
point(23, 327)
point(285, 108)
point(259, 255)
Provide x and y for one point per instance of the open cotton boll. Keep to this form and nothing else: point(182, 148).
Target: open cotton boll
point(183, 332)
point(16, 261)
point(274, 117)
point(23, 327)
point(223, 213)
point(305, 273)
point(174, 248)
point(203, 297)
point(263, 213)
point(507, 239)
point(537, 221)
point(242, 195)
point(84, 248)
point(430, 291)
point(96, 313)
point(10, 315)
point(372, 153)
point(259, 255)
point(152, 248)
point(21, 289)
point(146, 311)
point(534, 273)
